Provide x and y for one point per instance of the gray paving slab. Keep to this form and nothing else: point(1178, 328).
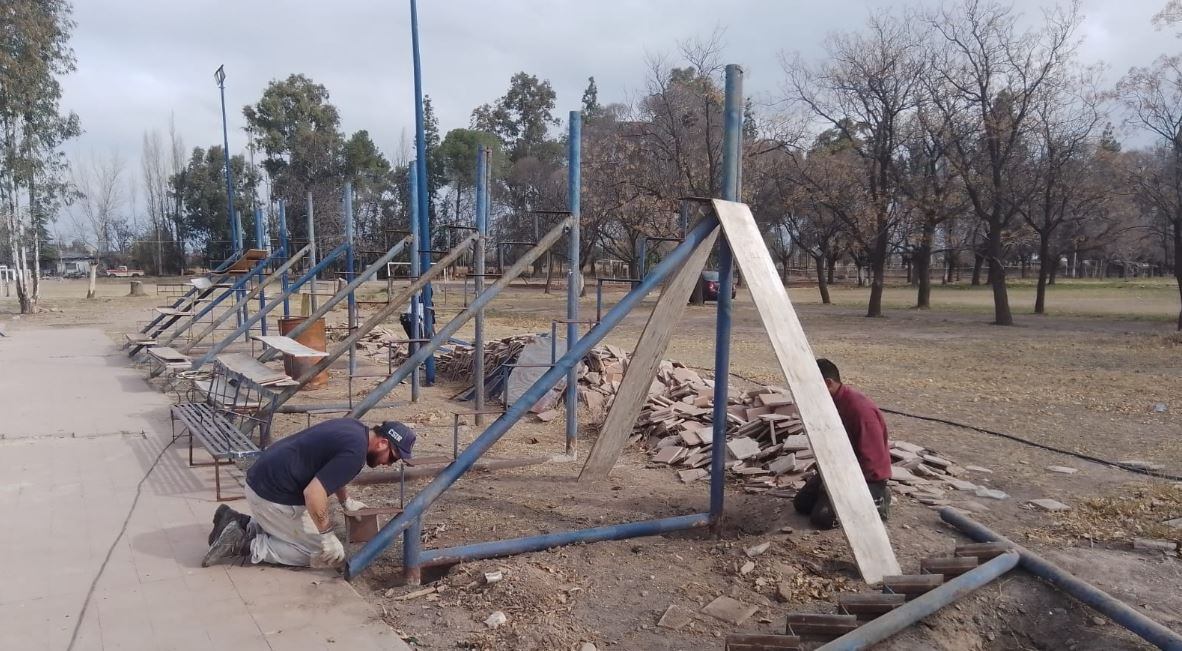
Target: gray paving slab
point(72, 479)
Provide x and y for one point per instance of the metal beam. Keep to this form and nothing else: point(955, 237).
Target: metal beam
point(426, 350)
point(233, 289)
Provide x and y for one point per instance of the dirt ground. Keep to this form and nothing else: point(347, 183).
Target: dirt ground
point(1084, 379)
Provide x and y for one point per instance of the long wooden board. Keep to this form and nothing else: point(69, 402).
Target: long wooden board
point(643, 364)
point(289, 346)
point(254, 370)
point(831, 446)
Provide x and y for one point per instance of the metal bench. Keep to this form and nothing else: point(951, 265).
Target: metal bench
point(233, 408)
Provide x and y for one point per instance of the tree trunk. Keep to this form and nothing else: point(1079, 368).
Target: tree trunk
point(1044, 274)
point(822, 286)
point(923, 267)
point(784, 269)
point(978, 262)
point(1178, 263)
point(1055, 265)
point(91, 291)
point(830, 266)
point(878, 260)
point(997, 278)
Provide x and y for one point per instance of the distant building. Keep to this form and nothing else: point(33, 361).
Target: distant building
point(74, 263)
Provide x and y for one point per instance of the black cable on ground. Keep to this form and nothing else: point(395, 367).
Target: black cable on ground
point(1086, 457)
point(139, 489)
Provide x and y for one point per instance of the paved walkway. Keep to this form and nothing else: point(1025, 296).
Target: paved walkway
point(79, 428)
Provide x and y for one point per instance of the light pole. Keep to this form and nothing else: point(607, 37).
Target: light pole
point(235, 226)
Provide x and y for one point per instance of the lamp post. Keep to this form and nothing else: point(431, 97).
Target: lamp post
point(235, 226)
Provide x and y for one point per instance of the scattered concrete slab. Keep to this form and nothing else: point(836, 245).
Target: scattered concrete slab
point(747, 568)
point(991, 493)
point(1049, 505)
point(979, 469)
point(743, 447)
point(1063, 470)
point(730, 610)
point(1151, 544)
point(756, 550)
point(693, 474)
point(962, 485)
point(909, 447)
point(675, 617)
point(1176, 523)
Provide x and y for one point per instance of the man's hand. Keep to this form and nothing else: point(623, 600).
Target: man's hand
point(351, 504)
point(331, 553)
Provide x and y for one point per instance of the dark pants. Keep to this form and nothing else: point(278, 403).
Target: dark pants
point(812, 500)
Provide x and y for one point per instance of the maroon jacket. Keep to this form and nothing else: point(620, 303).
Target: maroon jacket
point(867, 431)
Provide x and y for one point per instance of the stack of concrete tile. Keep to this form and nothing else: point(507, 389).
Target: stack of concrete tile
point(765, 444)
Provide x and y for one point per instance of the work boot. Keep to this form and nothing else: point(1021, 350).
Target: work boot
point(221, 517)
point(233, 542)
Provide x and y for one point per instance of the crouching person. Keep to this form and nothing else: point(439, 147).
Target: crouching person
point(287, 490)
point(867, 430)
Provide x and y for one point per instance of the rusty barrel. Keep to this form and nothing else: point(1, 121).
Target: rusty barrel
point(313, 338)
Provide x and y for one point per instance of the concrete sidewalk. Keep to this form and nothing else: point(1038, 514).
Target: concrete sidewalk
point(79, 429)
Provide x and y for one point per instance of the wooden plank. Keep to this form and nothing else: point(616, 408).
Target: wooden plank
point(762, 642)
point(166, 354)
point(253, 370)
point(642, 366)
point(289, 346)
point(835, 456)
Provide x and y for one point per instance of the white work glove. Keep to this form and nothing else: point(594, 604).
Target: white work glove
point(351, 504)
point(331, 553)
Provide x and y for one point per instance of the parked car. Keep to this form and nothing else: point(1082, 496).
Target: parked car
point(123, 272)
point(710, 286)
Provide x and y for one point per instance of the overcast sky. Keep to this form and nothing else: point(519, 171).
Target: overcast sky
point(140, 60)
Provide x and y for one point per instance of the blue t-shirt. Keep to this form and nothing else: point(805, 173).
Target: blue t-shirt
point(332, 451)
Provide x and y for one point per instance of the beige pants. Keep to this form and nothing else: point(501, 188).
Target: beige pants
point(284, 535)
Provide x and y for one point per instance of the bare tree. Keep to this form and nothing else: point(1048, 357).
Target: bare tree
point(101, 195)
point(154, 168)
point(1153, 98)
point(988, 76)
point(864, 90)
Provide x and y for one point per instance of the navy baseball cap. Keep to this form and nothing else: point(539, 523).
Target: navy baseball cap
point(401, 437)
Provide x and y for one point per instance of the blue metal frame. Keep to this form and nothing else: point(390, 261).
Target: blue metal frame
point(482, 180)
point(410, 520)
point(235, 221)
point(283, 244)
point(415, 269)
point(426, 241)
point(260, 238)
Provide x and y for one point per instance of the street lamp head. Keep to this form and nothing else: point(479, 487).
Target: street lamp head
point(220, 74)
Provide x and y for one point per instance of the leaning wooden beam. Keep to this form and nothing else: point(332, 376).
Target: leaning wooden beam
point(643, 364)
point(835, 457)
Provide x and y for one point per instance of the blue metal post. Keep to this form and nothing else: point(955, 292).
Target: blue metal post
point(731, 159)
point(482, 173)
point(348, 216)
point(235, 220)
point(260, 238)
point(424, 197)
point(449, 475)
point(412, 550)
point(415, 270)
point(283, 244)
point(575, 280)
point(642, 256)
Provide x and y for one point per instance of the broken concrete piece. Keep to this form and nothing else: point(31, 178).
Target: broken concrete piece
point(756, 550)
point(496, 619)
point(1062, 470)
point(1050, 505)
point(730, 610)
point(784, 591)
point(1176, 523)
point(742, 448)
point(747, 568)
point(933, 460)
point(670, 454)
point(587, 646)
point(910, 447)
point(1151, 544)
point(979, 469)
point(991, 493)
point(796, 442)
point(962, 485)
point(493, 577)
point(693, 474)
point(783, 464)
point(674, 618)
point(901, 474)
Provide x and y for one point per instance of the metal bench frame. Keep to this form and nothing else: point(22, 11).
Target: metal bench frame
point(233, 408)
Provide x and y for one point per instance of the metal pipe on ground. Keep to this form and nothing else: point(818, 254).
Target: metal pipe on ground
point(496, 548)
point(929, 603)
point(1117, 610)
point(417, 472)
point(414, 509)
point(444, 334)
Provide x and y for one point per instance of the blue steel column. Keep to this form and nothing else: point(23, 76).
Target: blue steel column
point(415, 270)
point(348, 213)
point(424, 197)
point(731, 160)
point(260, 238)
point(478, 263)
point(283, 244)
point(412, 550)
point(235, 220)
point(573, 188)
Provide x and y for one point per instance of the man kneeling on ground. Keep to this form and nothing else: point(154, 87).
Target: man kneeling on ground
point(287, 489)
point(867, 430)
